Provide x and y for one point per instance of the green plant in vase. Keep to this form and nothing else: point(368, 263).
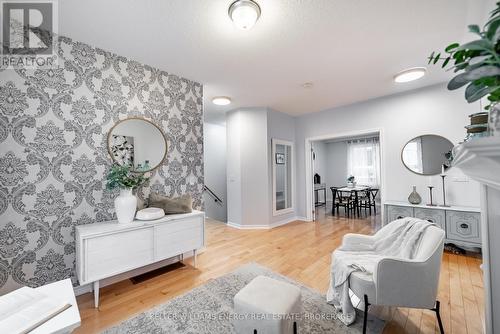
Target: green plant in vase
point(477, 64)
point(126, 203)
point(122, 177)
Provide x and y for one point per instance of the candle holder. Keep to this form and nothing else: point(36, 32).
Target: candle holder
point(444, 192)
point(430, 196)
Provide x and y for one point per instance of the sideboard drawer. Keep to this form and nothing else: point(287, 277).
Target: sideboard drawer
point(398, 212)
point(112, 254)
point(463, 226)
point(178, 237)
point(434, 216)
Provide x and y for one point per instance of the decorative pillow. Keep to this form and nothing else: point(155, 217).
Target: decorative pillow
point(171, 205)
point(141, 204)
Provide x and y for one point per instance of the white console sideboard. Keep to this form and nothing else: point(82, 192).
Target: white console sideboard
point(107, 249)
point(462, 224)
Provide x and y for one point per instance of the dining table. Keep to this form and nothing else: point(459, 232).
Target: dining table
point(356, 190)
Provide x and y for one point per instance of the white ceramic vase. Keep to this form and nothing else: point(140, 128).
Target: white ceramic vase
point(125, 206)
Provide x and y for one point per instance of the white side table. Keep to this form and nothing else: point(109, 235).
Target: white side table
point(66, 321)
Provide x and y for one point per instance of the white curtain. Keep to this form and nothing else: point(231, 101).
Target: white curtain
point(363, 161)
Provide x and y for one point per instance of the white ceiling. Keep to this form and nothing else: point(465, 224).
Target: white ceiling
point(349, 49)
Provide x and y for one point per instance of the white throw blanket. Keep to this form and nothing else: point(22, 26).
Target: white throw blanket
point(401, 243)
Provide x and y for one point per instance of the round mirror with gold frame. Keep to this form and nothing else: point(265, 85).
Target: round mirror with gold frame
point(138, 143)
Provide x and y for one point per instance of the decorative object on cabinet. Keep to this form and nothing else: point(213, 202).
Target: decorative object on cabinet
point(477, 65)
point(462, 224)
point(444, 191)
point(137, 143)
point(126, 203)
point(430, 196)
point(104, 250)
point(171, 205)
point(426, 154)
point(494, 120)
point(150, 214)
point(414, 197)
point(351, 181)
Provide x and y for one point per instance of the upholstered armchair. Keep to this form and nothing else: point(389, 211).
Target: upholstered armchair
point(400, 283)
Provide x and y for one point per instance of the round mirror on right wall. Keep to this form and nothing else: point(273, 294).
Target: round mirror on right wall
point(426, 155)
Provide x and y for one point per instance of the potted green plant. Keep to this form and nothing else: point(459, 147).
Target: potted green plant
point(477, 66)
point(126, 203)
point(351, 181)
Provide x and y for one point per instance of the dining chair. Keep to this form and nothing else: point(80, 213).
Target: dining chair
point(374, 193)
point(365, 200)
point(335, 200)
point(347, 200)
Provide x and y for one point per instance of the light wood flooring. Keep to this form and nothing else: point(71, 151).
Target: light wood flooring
point(301, 251)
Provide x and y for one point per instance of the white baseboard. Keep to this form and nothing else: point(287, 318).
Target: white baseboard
point(248, 227)
point(265, 227)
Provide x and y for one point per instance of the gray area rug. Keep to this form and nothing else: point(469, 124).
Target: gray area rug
point(207, 309)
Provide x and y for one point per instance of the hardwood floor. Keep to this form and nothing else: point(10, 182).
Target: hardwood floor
point(301, 251)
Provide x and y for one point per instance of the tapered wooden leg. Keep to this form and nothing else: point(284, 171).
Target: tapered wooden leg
point(96, 294)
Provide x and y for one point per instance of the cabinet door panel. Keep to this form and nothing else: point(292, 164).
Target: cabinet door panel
point(178, 237)
point(116, 253)
point(398, 212)
point(463, 226)
point(434, 216)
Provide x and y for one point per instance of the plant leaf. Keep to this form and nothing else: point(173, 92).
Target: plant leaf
point(457, 82)
point(482, 72)
point(479, 44)
point(437, 58)
point(474, 28)
point(492, 28)
point(446, 61)
point(451, 47)
point(475, 92)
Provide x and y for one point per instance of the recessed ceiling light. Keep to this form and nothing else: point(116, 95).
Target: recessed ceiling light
point(221, 100)
point(307, 85)
point(410, 74)
point(244, 13)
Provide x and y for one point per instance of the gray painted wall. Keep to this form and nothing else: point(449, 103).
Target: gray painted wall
point(432, 110)
point(336, 156)
point(247, 167)
point(215, 170)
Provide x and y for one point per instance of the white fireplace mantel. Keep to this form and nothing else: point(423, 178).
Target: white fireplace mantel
point(480, 160)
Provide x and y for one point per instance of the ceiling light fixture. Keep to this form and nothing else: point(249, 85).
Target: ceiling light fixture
point(410, 74)
point(221, 100)
point(244, 13)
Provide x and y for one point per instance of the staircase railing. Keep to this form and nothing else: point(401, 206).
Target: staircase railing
point(216, 198)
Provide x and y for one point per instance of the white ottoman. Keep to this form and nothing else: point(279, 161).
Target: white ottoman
point(268, 306)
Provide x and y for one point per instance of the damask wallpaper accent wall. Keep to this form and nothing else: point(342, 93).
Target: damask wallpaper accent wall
point(53, 155)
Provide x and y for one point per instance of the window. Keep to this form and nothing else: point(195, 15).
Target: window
point(363, 161)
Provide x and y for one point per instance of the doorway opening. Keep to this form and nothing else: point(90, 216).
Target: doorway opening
point(345, 174)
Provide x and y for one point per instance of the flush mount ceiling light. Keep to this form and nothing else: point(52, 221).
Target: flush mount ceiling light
point(221, 100)
point(244, 13)
point(410, 74)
